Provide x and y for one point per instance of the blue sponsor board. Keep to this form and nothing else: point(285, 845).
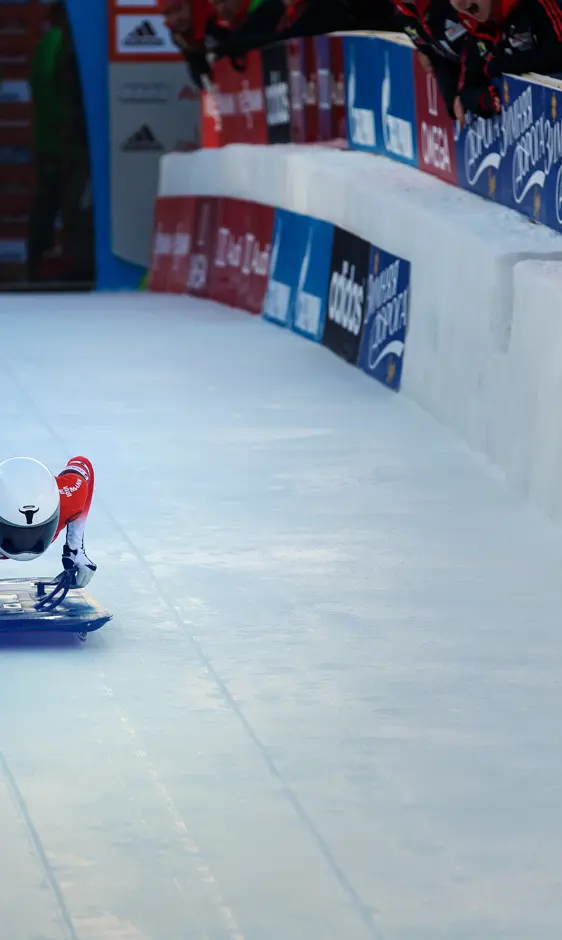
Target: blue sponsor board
point(553, 185)
point(287, 249)
point(479, 156)
point(297, 289)
point(526, 135)
point(360, 56)
point(380, 97)
point(383, 341)
point(395, 110)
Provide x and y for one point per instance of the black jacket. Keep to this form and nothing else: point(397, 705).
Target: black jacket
point(435, 30)
point(525, 36)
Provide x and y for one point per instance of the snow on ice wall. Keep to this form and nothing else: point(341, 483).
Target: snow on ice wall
point(483, 353)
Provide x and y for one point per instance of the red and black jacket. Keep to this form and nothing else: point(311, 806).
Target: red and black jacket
point(274, 22)
point(433, 26)
point(435, 29)
point(522, 36)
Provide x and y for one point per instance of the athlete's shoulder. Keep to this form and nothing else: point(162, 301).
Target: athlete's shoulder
point(81, 466)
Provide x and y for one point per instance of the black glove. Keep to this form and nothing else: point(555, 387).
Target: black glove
point(484, 102)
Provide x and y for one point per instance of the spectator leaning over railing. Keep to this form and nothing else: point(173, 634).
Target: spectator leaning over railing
point(300, 18)
point(439, 37)
point(198, 27)
point(505, 36)
point(207, 30)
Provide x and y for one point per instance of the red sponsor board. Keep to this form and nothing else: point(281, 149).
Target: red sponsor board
point(182, 240)
point(240, 264)
point(202, 245)
point(251, 102)
point(254, 269)
point(234, 112)
point(232, 223)
point(217, 248)
point(339, 128)
point(166, 212)
point(303, 78)
point(435, 129)
point(324, 87)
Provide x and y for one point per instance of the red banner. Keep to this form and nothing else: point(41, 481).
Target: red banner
point(337, 68)
point(232, 223)
point(216, 248)
point(167, 212)
point(182, 240)
point(203, 245)
point(234, 112)
point(435, 129)
point(254, 270)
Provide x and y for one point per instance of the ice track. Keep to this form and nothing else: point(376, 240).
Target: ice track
point(329, 704)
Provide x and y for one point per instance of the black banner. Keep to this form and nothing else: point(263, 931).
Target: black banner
point(277, 94)
point(347, 298)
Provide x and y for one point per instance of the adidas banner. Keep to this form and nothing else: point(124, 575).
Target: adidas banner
point(142, 35)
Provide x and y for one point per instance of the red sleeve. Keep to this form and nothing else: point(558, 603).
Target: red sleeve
point(76, 488)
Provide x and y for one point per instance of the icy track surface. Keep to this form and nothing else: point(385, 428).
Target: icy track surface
point(329, 705)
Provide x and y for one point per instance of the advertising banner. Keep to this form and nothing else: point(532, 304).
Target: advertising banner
point(275, 72)
point(202, 245)
point(361, 91)
point(233, 222)
point(347, 295)
point(553, 183)
point(395, 103)
point(526, 147)
point(299, 274)
point(183, 227)
point(338, 88)
point(254, 270)
point(479, 156)
point(303, 76)
point(383, 340)
point(234, 111)
point(324, 87)
point(435, 129)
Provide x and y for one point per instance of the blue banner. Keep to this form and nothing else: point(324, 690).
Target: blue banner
point(553, 183)
point(380, 97)
point(287, 249)
point(479, 156)
point(360, 58)
point(383, 341)
point(526, 133)
point(395, 112)
point(299, 271)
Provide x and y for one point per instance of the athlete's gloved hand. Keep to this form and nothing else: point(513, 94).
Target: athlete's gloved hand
point(77, 559)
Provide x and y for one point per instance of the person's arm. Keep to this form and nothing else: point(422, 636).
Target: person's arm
point(76, 488)
point(476, 94)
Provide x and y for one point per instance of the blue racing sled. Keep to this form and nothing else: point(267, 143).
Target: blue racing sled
point(49, 606)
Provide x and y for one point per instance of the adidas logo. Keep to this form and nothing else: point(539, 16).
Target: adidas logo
point(143, 35)
point(142, 140)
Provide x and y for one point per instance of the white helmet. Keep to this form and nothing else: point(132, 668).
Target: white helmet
point(29, 508)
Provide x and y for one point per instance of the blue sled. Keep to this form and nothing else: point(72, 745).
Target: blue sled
point(49, 606)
